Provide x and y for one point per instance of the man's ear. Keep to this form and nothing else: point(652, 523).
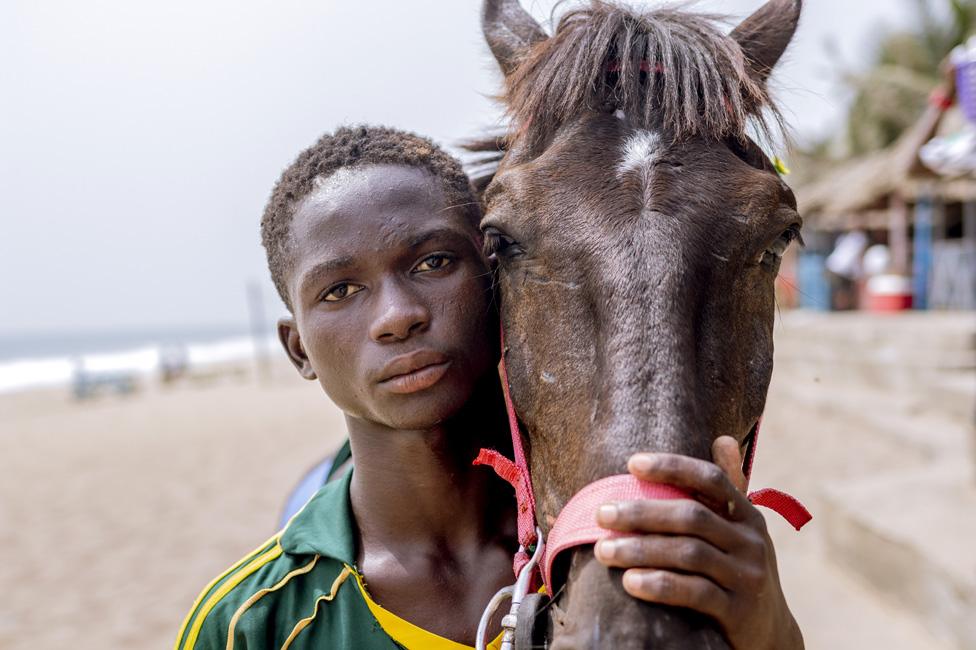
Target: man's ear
point(291, 340)
point(764, 35)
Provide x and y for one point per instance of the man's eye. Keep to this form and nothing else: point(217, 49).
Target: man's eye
point(432, 263)
point(341, 292)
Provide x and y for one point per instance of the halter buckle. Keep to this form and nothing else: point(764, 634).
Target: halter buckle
point(517, 593)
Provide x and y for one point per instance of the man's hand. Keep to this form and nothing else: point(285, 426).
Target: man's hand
point(712, 554)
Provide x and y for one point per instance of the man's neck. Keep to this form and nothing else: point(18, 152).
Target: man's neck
point(418, 488)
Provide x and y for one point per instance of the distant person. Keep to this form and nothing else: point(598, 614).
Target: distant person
point(173, 363)
point(372, 240)
point(876, 261)
point(844, 269)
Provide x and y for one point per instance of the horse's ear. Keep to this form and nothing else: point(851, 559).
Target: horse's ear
point(509, 30)
point(764, 35)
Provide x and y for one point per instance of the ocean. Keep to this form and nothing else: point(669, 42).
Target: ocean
point(30, 361)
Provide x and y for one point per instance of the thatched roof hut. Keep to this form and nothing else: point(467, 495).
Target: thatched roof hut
point(859, 193)
point(852, 193)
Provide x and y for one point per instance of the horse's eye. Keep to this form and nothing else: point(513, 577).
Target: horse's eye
point(499, 244)
point(775, 252)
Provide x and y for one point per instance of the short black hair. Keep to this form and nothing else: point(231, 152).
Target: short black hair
point(353, 147)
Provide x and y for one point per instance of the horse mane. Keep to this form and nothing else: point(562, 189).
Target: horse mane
point(668, 68)
point(481, 168)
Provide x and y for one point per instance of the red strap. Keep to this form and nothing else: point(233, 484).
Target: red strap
point(782, 503)
point(751, 451)
point(505, 468)
point(523, 488)
point(788, 507)
point(940, 99)
point(576, 524)
point(645, 66)
point(518, 479)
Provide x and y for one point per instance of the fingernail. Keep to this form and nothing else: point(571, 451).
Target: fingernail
point(642, 462)
point(633, 580)
point(606, 548)
point(607, 515)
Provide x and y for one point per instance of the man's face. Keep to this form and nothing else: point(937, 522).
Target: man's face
point(391, 297)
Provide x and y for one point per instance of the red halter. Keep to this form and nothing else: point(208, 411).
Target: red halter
point(576, 523)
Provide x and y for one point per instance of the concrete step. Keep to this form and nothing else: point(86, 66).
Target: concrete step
point(895, 362)
point(921, 363)
point(910, 391)
point(873, 419)
point(836, 608)
point(804, 448)
point(919, 358)
point(912, 535)
point(906, 424)
point(923, 331)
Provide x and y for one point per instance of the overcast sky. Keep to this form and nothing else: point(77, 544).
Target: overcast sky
point(139, 141)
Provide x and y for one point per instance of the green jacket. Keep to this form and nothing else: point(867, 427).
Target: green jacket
point(300, 590)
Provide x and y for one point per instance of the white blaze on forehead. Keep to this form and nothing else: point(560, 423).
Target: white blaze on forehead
point(640, 151)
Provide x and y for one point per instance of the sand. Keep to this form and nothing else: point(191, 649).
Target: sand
point(116, 512)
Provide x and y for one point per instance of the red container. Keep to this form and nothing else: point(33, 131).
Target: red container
point(889, 293)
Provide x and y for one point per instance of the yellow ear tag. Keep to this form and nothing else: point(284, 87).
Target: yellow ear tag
point(780, 166)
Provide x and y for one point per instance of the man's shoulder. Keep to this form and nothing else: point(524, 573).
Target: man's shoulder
point(259, 600)
point(297, 580)
point(217, 602)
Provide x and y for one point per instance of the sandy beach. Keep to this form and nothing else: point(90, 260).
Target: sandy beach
point(116, 512)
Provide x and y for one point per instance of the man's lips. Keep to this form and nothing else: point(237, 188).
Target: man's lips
point(410, 373)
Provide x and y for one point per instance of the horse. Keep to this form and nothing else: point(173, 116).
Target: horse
point(637, 229)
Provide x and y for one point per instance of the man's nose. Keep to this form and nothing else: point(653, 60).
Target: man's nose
point(400, 314)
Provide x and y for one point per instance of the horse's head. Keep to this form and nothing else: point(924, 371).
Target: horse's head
point(638, 231)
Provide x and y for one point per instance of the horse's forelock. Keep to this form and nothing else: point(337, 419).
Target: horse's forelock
point(666, 67)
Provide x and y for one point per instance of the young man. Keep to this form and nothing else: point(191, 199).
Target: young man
point(373, 243)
